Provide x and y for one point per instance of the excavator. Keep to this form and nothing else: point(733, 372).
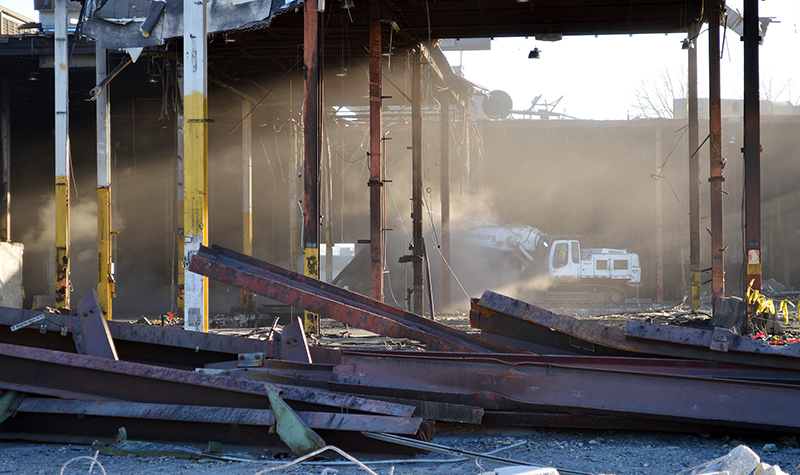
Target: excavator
point(573, 275)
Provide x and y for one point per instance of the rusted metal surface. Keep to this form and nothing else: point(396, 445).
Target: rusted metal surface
point(716, 164)
point(375, 184)
point(294, 346)
point(536, 329)
point(55, 373)
point(217, 415)
point(562, 388)
point(752, 146)
point(90, 331)
point(325, 299)
point(149, 344)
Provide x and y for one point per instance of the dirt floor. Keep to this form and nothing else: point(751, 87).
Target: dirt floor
point(589, 452)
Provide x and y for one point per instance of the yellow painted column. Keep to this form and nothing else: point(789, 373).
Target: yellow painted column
point(195, 145)
point(246, 298)
point(61, 82)
point(105, 283)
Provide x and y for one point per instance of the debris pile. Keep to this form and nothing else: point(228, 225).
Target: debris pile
point(528, 367)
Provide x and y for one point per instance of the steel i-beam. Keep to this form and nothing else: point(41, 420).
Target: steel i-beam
point(62, 284)
point(752, 146)
point(311, 148)
point(716, 178)
point(195, 218)
point(375, 158)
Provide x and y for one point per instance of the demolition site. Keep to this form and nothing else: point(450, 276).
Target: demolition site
point(295, 237)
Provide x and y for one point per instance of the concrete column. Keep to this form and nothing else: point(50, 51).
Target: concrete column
point(105, 277)
point(195, 141)
point(62, 156)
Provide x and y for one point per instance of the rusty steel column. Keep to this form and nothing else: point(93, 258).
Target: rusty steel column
point(694, 175)
point(311, 148)
point(659, 220)
point(63, 285)
point(5, 162)
point(715, 144)
point(444, 144)
point(376, 218)
point(752, 146)
point(416, 187)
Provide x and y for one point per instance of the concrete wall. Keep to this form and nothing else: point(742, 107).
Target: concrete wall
point(11, 274)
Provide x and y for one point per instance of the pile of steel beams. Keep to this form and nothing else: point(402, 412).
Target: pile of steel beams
point(80, 378)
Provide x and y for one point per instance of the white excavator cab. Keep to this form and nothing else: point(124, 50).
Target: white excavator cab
point(565, 259)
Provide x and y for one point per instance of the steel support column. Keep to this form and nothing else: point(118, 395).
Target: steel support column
point(105, 277)
point(245, 297)
point(752, 146)
point(376, 218)
point(62, 155)
point(5, 160)
point(311, 147)
point(416, 187)
point(179, 207)
point(716, 179)
point(444, 148)
point(195, 218)
point(694, 175)
point(659, 219)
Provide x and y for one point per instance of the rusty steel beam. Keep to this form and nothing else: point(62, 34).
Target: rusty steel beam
point(716, 178)
point(312, 132)
point(752, 147)
point(136, 343)
point(694, 174)
point(291, 288)
point(514, 322)
point(573, 389)
point(376, 195)
point(416, 184)
point(91, 334)
point(444, 150)
point(54, 373)
point(217, 415)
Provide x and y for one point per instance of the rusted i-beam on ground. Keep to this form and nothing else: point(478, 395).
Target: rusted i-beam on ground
point(516, 323)
point(320, 297)
point(81, 377)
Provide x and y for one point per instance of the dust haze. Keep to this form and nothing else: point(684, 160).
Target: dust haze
point(595, 180)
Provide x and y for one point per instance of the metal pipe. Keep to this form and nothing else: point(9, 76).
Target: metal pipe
point(246, 298)
point(659, 219)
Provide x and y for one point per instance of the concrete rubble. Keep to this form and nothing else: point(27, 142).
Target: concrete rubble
point(739, 461)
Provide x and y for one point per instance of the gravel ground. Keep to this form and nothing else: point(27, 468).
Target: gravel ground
point(594, 452)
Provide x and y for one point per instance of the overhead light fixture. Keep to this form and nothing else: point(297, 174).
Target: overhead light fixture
point(687, 44)
point(342, 73)
point(534, 54)
point(153, 78)
point(230, 38)
point(34, 76)
point(348, 4)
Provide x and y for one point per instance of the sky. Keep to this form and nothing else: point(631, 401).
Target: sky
point(598, 76)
